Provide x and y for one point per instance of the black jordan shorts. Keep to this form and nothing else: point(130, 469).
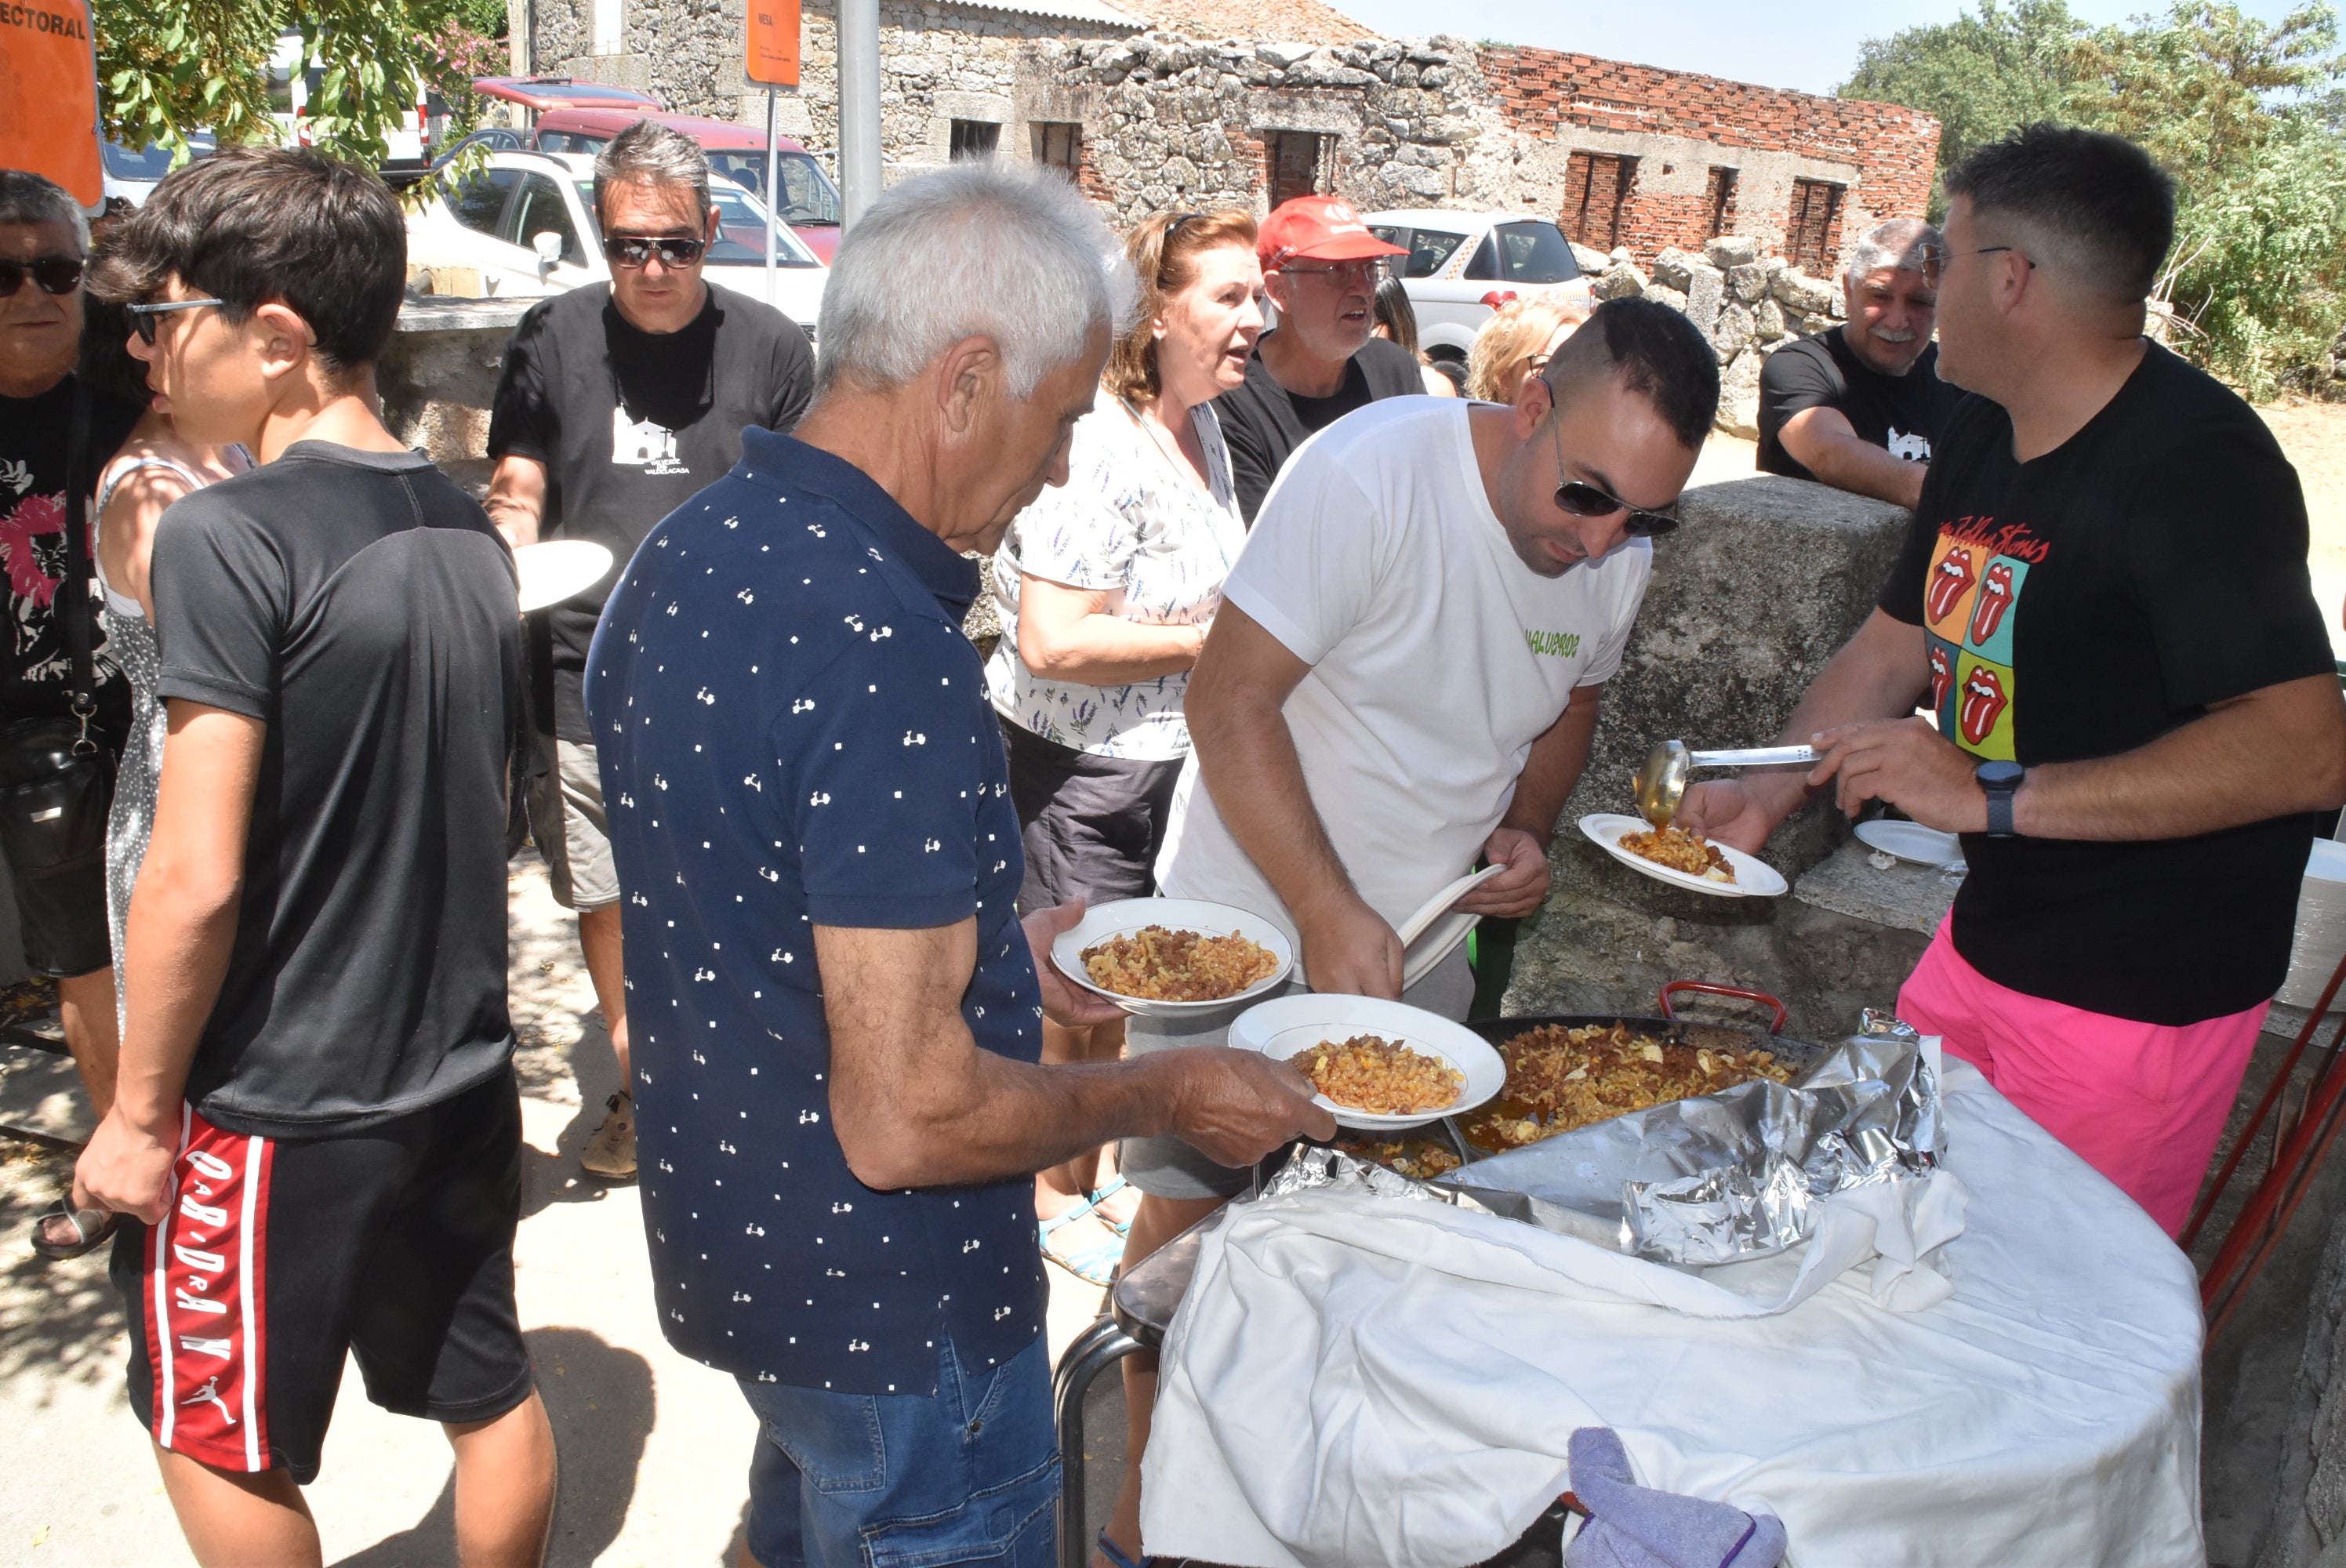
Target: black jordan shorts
point(277, 1257)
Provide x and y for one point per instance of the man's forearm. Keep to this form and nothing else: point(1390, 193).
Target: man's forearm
point(1109, 650)
point(1846, 461)
point(1880, 673)
point(1247, 755)
point(1554, 768)
point(2274, 753)
point(180, 937)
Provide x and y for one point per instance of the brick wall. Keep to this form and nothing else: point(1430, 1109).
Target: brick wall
point(1548, 97)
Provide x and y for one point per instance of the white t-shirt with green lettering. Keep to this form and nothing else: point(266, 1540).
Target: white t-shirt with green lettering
point(1437, 657)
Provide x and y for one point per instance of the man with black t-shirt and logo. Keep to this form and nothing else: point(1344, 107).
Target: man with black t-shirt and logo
point(1860, 407)
point(317, 1120)
point(60, 900)
point(618, 402)
point(2104, 598)
point(1320, 268)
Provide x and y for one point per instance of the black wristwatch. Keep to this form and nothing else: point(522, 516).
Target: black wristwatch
point(2001, 783)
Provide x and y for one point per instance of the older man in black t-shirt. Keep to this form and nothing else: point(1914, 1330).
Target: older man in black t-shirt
point(59, 880)
point(1320, 268)
point(617, 402)
point(1860, 407)
point(2104, 601)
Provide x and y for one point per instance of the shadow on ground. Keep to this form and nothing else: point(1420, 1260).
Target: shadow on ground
point(550, 1179)
point(601, 1403)
point(57, 1320)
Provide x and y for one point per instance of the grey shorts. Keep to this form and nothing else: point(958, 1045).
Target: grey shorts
point(1168, 1167)
point(1090, 825)
point(565, 818)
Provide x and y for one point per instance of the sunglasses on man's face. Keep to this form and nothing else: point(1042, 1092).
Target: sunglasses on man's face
point(1583, 499)
point(635, 250)
point(55, 274)
point(145, 319)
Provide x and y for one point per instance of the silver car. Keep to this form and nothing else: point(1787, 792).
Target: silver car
point(1462, 266)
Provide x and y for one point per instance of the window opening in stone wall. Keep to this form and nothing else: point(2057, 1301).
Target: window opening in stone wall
point(1059, 145)
point(1297, 160)
point(975, 139)
point(1809, 225)
point(1720, 200)
point(610, 26)
point(1597, 186)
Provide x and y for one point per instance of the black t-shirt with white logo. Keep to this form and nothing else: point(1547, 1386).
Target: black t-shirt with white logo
point(632, 425)
point(1263, 422)
point(2082, 604)
point(1903, 415)
point(360, 607)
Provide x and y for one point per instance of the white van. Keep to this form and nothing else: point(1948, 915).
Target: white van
point(294, 86)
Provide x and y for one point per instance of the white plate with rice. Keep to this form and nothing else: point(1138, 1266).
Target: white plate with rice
point(1107, 923)
point(1290, 1026)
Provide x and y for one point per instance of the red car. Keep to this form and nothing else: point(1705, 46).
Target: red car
point(809, 202)
point(541, 93)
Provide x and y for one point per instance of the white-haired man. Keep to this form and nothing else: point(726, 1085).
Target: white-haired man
point(839, 1011)
point(1861, 406)
point(617, 402)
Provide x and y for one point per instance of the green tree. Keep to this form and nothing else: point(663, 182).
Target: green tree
point(2247, 115)
point(169, 67)
point(1981, 75)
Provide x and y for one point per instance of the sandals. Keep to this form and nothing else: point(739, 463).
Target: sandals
point(1100, 1196)
point(92, 1228)
point(1094, 1265)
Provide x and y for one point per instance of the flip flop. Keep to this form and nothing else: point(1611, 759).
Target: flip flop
point(1121, 1227)
point(92, 1227)
point(1118, 1558)
point(1094, 1265)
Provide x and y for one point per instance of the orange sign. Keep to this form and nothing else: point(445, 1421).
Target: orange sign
point(773, 32)
point(48, 95)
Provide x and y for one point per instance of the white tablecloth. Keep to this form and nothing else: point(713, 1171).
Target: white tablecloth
point(1371, 1382)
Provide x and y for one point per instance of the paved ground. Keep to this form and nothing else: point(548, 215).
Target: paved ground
point(654, 1447)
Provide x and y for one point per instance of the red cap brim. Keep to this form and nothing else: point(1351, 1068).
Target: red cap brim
point(1345, 248)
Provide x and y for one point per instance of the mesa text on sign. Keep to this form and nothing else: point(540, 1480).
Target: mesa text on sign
point(773, 42)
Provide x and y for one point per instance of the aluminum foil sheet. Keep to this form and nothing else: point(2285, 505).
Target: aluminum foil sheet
point(1720, 1178)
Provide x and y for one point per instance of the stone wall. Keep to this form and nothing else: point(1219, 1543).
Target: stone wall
point(1765, 581)
point(1748, 305)
point(1167, 117)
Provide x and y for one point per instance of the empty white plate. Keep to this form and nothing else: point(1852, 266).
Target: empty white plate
point(1122, 917)
point(1911, 841)
point(1754, 878)
point(1288, 1026)
point(560, 569)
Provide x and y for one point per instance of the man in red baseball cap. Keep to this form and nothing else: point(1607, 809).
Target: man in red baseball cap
point(1319, 266)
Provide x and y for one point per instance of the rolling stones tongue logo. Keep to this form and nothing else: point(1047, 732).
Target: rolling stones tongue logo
point(1942, 676)
point(1984, 704)
point(1948, 582)
point(1994, 599)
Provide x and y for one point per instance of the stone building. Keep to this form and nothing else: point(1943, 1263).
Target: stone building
point(1157, 103)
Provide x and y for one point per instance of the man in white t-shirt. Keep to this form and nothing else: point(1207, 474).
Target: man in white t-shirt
point(1403, 677)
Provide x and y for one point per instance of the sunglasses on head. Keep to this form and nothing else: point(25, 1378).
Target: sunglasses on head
point(55, 274)
point(635, 250)
point(145, 319)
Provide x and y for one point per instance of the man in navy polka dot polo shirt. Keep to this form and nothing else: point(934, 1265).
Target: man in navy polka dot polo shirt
point(838, 1009)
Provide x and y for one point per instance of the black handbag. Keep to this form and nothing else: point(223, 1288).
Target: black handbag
point(56, 774)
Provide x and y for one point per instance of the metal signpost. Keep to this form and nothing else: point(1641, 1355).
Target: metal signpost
point(772, 64)
point(858, 108)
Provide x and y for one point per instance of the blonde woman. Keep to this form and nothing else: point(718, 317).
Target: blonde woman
point(1106, 586)
point(1516, 342)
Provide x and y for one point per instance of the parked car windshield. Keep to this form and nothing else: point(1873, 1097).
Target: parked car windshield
point(1429, 249)
point(741, 230)
point(1534, 252)
point(808, 195)
point(154, 160)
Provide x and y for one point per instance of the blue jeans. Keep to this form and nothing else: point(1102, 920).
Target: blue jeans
point(899, 1481)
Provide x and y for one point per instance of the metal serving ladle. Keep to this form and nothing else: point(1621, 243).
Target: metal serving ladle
point(1661, 783)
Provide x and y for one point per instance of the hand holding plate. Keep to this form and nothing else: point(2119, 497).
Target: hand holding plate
point(1723, 810)
point(1521, 887)
point(1349, 948)
point(1236, 1106)
point(1062, 1004)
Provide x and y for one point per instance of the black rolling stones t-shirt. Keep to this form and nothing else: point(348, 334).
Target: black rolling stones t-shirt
point(2082, 604)
point(1903, 415)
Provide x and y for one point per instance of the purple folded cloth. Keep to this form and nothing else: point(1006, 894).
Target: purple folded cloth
point(1632, 1526)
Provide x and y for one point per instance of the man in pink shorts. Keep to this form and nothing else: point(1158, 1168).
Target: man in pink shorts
point(2104, 603)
